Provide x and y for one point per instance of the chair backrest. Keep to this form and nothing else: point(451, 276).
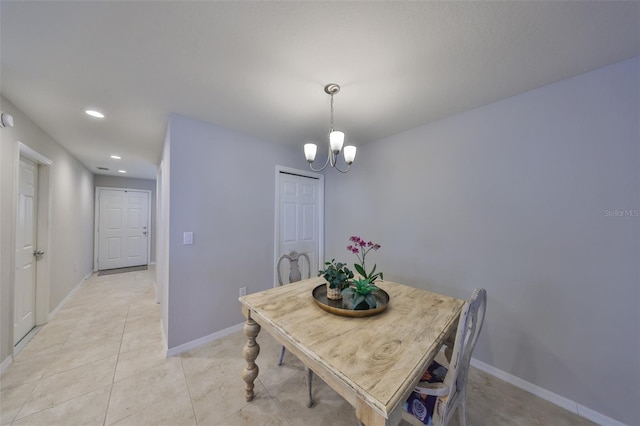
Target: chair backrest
point(294, 267)
point(469, 326)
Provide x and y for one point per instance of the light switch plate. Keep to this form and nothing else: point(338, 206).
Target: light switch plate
point(187, 238)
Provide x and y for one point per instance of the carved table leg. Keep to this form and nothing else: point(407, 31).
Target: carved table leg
point(250, 353)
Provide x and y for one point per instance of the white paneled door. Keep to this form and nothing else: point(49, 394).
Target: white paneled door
point(300, 200)
point(25, 277)
point(123, 228)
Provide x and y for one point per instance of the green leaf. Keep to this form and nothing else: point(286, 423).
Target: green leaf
point(371, 300)
point(348, 292)
point(357, 300)
point(360, 270)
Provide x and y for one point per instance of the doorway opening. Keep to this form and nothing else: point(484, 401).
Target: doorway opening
point(299, 218)
point(32, 236)
point(122, 232)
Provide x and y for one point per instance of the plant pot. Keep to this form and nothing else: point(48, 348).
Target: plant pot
point(362, 306)
point(334, 293)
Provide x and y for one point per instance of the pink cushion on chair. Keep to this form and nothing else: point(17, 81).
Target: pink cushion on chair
point(421, 406)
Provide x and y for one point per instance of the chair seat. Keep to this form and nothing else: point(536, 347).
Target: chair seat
point(419, 405)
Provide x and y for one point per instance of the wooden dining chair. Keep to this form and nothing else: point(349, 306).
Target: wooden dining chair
point(442, 389)
point(295, 275)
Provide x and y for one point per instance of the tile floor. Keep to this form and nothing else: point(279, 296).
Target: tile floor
point(100, 362)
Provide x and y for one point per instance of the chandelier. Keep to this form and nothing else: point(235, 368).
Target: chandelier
point(336, 140)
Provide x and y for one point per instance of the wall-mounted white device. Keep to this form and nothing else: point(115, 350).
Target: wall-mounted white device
point(6, 120)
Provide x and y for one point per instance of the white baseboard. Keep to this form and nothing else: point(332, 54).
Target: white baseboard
point(547, 395)
point(206, 339)
point(165, 341)
point(596, 417)
point(68, 297)
point(5, 364)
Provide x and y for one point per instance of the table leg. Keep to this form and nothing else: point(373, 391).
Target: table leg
point(250, 353)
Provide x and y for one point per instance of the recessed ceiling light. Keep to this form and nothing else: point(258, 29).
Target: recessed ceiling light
point(122, 171)
point(116, 157)
point(95, 114)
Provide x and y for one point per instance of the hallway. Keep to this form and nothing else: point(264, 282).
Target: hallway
point(101, 361)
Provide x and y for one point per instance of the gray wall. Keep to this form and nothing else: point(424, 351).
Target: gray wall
point(519, 197)
point(72, 196)
point(133, 183)
point(222, 187)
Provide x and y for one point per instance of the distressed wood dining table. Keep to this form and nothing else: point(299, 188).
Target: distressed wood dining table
point(372, 362)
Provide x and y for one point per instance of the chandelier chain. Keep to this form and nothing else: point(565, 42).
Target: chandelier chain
point(332, 111)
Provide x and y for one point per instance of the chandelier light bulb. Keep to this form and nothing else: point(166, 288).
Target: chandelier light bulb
point(349, 154)
point(336, 139)
point(310, 150)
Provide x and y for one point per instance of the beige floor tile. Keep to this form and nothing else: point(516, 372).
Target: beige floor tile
point(12, 399)
point(221, 398)
point(328, 407)
point(150, 335)
point(56, 329)
point(515, 405)
point(222, 357)
point(102, 299)
point(142, 323)
point(85, 410)
point(138, 361)
point(262, 410)
point(42, 346)
point(216, 386)
point(143, 291)
point(136, 393)
point(69, 317)
point(143, 311)
point(226, 347)
point(58, 388)
point(176, 411)
point(99, 316)
point(23, 371)
point(84, 354)
point(204, 374)
point(272, 374)
point(90, 334)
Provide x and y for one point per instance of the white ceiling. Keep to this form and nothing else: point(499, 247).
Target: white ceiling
point(260, 67)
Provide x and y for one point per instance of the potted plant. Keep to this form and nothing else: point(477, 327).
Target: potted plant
point(360, 248)
point(361, 294)
point(337, 275)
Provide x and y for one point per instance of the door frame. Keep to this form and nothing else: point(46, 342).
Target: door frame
point(43, 231)
point(96, 236)
point(307, 174)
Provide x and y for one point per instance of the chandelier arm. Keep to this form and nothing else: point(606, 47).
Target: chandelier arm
point(342, 171)
point(326, 163)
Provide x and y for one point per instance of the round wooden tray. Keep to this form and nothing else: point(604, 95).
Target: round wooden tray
point(338, 307)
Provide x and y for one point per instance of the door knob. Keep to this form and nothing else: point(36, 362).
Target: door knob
point(38, 253)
